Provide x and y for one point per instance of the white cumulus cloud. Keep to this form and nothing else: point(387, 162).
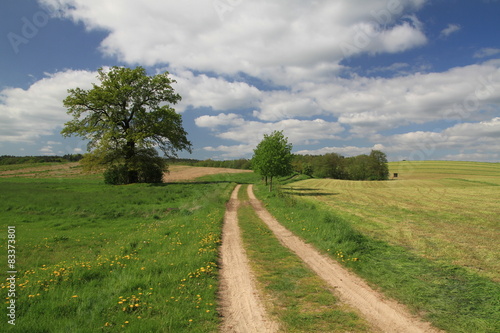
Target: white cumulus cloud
point(28, 114)
point(267, 39)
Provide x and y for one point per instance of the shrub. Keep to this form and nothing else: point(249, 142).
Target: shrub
point(151, 173)
point(116, 175)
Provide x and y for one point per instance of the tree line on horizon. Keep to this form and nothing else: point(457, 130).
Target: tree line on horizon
point(333, 165)
point(273, 158)
point(10, 159)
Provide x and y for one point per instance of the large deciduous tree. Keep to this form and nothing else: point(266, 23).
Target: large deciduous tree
point(125, 118)
point(273, 157)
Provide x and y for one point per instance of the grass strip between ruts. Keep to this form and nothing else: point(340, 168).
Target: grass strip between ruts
point(299, 299)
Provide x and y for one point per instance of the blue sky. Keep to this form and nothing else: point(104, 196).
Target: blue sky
point(417, 79)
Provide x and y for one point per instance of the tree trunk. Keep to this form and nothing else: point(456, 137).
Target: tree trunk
point(271, 185)
point(132, 175)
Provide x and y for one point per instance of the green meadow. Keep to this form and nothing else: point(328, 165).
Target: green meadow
point(444, 211)
point(143, 258)
point(92, 257)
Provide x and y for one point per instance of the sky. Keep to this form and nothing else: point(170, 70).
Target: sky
point(416, 79)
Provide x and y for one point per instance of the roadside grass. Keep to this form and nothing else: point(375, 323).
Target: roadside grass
point(299, 299)
point(449, 296)
point(93, 257)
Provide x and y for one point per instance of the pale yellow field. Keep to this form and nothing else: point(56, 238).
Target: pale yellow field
point(442, 210)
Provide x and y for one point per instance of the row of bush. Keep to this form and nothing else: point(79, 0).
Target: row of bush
point(361, 167)
point(9, 160)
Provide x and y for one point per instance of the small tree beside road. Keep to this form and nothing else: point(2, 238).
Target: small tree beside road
point(273, 157)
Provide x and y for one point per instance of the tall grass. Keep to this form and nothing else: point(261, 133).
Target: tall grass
point(449, 296)
point(93, 257)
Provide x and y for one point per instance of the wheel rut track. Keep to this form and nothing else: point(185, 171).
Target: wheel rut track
point(241, 306)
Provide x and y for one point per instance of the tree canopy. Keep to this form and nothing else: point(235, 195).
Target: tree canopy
point(125, 118)
point(273, 157)
point(332, 165)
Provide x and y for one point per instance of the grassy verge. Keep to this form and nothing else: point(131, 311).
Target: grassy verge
point(297, 297)
point(92, 257)
point(447, 295)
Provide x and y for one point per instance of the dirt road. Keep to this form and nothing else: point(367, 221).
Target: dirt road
point(241, 306)
point(189, 173)
point(384, 314)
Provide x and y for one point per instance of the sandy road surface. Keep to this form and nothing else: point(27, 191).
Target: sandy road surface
point(189, 173)
point(384, 314)
point(241, 307)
